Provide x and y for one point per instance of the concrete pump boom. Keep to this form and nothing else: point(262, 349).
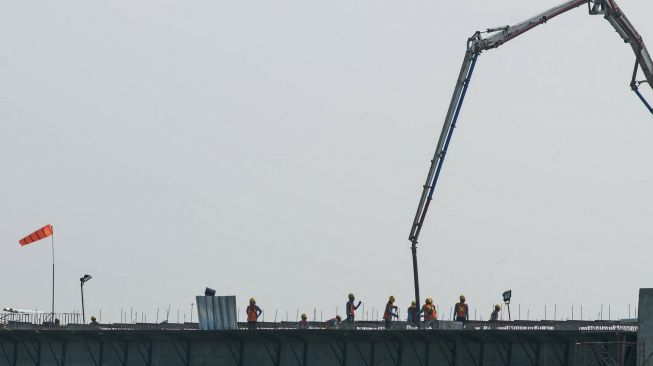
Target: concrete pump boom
point(477, 44)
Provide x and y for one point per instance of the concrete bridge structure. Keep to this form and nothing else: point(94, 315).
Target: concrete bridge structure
point(478, 344)
point(606, 343)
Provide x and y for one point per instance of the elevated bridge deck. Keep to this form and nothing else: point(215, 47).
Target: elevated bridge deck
point(480, 343)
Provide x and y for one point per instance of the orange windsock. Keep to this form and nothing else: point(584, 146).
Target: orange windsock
point(39, 234)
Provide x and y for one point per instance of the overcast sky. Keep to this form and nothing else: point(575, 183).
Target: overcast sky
point(278, 150)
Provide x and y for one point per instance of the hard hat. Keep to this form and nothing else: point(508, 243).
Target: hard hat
point(304, 316)
point(392, 298)
point(462, 297)
point(338, 317)
point(351, 296)
point(497, 307)
point(413, 303)
point(429, 300)
point(252, 300)
point(93, 318)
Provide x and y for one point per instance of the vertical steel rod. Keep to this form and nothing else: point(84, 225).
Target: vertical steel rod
point(81, 287)
point(52, 242)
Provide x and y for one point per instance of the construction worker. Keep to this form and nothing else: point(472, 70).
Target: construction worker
point(495, 314)
point(413, 314)
point(94, 321)
point(461, 310)
point(390, 311)
point(303, 324)
point(430, 313)
point(351, 310)
point(253, 313)
point(333, 323)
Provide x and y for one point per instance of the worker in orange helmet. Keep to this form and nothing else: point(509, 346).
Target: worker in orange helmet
point(461, 310)
point(253, 313)
point(430, 313)
point(390, 312)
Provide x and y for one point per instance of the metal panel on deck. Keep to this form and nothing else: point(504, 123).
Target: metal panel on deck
point(210, 319)
point(216, 312)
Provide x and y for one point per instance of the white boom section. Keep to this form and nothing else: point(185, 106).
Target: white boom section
point(509, 32)
point(628, 33)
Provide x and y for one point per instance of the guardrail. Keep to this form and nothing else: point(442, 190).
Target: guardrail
point(39, 318)
point(544, 326)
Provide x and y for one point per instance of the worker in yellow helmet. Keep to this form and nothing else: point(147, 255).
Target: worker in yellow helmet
point(430, 313)
point(461, 310)
point(350, 309)
point(390, 312)
point(253, 313)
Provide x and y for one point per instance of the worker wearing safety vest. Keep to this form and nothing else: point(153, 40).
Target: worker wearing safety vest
point(430, 313)
point(390, 311)
point(351, 309)
point(461, 310)
point(253, 313)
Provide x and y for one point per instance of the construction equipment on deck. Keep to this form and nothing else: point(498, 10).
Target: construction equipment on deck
point(477, 44)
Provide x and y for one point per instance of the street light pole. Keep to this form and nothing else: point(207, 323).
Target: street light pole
point(82, 281)
point(81, 287)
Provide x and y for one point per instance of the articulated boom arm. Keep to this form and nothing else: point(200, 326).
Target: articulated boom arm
point(622, 25)
point(477, 44)
point(509, 32)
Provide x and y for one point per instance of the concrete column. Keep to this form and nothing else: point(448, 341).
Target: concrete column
point(645, 327)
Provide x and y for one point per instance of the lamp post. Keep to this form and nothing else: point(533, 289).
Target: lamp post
point(506, 299)
point(82, 281)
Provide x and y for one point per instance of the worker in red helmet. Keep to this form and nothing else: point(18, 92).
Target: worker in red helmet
point(390, 312)
point(253, 313)
point(461, 310)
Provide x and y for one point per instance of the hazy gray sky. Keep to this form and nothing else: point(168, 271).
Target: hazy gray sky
point(277, 150)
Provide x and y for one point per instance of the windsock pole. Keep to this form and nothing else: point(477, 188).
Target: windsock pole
point(52, 242)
